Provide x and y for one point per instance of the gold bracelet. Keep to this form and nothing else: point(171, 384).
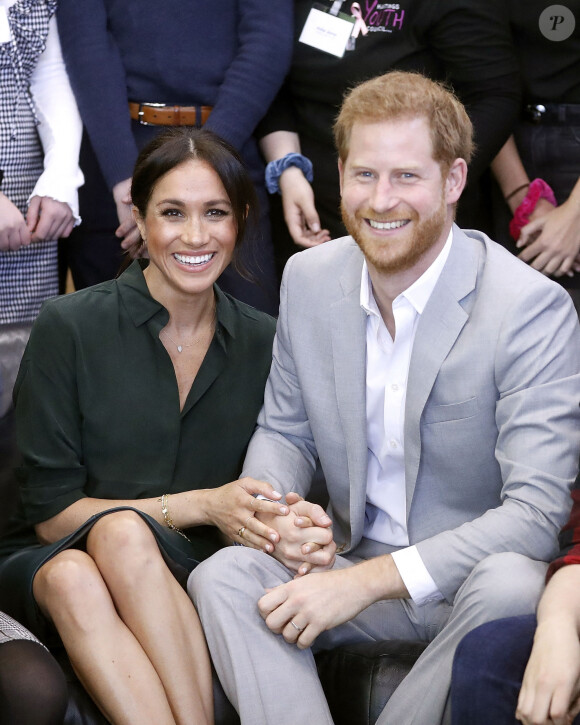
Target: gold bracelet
point(167, 517)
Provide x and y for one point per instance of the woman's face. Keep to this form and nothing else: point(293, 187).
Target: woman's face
point(190, 230)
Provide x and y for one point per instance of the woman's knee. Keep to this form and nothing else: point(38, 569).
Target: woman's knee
point(123, 536)
point(33, 688)
point(120, 534)
point(65, 581)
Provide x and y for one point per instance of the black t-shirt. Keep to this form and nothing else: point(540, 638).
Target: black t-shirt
point(550, 61)
point(466, 42)
point(463, 41)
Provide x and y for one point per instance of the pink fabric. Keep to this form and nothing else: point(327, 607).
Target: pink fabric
point(537, 190)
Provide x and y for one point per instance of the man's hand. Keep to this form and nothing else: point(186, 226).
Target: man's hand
point(551, 685)
point(48, 219)
point(550, 242)
point(303, 608)
point(306, 543)
point(300, 213)
point(127, 230)
point(14, 233)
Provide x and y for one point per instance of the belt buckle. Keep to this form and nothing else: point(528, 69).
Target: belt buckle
point(141, 113)
point(536, 112)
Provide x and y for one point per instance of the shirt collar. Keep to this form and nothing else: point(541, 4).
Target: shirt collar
point(142, 307)
point(417, 294)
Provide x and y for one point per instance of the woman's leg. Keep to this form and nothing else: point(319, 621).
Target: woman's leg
point(106, 656)
point(33, 688)
point(158, 612)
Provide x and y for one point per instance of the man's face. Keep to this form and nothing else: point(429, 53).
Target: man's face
point(395, 203)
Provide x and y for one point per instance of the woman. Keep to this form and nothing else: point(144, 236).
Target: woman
point(135, 402)
point(40, 136)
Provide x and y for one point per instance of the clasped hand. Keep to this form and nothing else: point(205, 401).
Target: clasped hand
point(306, 542)
point(46, 220)
point(233, 508)
point(550, 242)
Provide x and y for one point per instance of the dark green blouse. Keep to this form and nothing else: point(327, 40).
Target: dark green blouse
point(97, 404)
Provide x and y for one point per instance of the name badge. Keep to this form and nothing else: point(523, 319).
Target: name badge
point(5, 33)
point(327, 32)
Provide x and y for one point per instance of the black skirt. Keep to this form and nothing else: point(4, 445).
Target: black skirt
point(17, 571)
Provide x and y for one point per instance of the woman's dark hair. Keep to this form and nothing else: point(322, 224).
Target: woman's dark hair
point(175, 146)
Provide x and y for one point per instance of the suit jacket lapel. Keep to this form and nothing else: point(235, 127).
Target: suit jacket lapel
point(348, 335)
point(441, 322)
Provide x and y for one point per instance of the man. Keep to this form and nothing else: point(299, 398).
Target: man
point(436, 378)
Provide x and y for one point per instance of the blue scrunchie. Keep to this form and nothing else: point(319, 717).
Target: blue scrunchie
point(275, 168)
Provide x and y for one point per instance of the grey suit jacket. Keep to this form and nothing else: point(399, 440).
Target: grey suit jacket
point(492, 419)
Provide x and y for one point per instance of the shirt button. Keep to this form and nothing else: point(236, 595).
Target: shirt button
point(393, 443)
point(394, 387)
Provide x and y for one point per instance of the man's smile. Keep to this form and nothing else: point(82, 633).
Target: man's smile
point(387, 225)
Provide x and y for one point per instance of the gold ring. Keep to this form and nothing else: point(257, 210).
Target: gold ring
point(241, 531)
point(296, 627)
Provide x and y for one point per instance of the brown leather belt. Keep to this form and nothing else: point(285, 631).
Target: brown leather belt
point(160, 114)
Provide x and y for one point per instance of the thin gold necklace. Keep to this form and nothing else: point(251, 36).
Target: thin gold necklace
point(193, 342)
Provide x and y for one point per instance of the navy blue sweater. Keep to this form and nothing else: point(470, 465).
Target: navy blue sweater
point(232, 55)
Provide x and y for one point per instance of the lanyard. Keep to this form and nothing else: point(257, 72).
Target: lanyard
point(336, 5)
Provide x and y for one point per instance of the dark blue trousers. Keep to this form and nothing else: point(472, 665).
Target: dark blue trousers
point(488, 670)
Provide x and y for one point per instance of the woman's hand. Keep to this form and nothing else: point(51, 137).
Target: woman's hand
point(300, 213)
point(232, 509)
point(550, 242)
point(49, 219)
point(14, 233)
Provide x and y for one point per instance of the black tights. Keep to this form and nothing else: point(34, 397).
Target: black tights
point(33, 688)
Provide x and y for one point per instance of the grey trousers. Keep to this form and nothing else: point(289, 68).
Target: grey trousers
point(271, 682)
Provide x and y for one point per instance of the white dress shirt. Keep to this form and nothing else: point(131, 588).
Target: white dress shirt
point(386, 389)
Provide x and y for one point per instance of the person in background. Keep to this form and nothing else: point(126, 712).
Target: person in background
point(33, 689)
point(538, 169)
point(135, 67)
point(465, 42)
point(40, 135)
point(527, 669)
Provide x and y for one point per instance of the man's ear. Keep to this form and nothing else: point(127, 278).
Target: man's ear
point(340, 174)
point(456, 180)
